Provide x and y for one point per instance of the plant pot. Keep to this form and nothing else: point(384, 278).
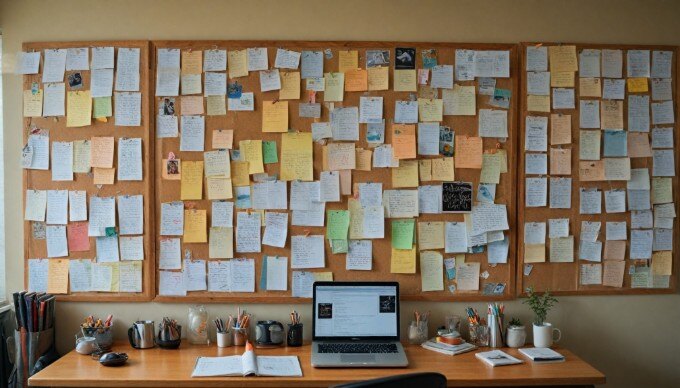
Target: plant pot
point(544, 335)
point(516, 336)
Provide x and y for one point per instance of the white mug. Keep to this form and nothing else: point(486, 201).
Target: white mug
point(544, 336)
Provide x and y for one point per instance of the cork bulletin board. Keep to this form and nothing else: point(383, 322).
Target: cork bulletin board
point(566, 277)
point(248, 126)
point(58, 131)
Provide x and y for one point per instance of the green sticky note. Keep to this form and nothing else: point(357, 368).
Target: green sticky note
point(337, 224)
point(110, 231)
point(101, 107)
point(402, 234)
point(269, 152)
point(339, 246)
point(263, 275)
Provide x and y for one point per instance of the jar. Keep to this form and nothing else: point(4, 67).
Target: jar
point(478, 334)
point(417, 332)
point(198, 325)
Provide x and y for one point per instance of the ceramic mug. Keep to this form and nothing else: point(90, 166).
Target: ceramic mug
point(544, 335)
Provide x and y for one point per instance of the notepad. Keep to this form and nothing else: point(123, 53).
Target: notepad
point(246, 365)
point(497, 358)
point(542, 355)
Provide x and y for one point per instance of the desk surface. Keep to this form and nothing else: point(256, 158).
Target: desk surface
point(172, 368)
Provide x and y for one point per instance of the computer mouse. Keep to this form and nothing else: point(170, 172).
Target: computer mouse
point(113, 359)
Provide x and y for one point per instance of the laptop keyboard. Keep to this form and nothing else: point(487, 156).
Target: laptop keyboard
point(357, 348)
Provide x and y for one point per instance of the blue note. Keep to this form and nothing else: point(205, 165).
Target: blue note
point(615, 143)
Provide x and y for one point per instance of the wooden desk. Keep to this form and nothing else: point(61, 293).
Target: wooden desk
point(172, 368)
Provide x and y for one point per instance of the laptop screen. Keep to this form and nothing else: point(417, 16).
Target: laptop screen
point(356, 310)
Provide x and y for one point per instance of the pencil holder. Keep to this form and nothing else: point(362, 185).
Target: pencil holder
point(417, 332)
point(479, 334)
point(103, 335)
point(240, 336)
point(225, 339)
point(295, 334)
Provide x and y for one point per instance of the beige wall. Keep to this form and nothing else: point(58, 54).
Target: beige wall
point(634, 340)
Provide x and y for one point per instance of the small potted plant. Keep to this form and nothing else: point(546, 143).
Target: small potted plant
point(516, 334)
point(541, 305)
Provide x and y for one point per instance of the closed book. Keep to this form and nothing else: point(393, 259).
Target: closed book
point(542, 355)
point(497, 358)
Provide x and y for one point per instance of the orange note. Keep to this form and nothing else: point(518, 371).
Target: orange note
point(223, 139)
point(104, 176)
point(560, 129)
point(638, 145)
point(590, 171)
point(57, 278)
point(192, 62)
point(363, 159)
point(356, 80)
point(614, 250)
point(469, 152)
point(78, 240)
point(560, 161)
point(404, 141)
point(191, 105)
point(348, 60)
point(101, 152)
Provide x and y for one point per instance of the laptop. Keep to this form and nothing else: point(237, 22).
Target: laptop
point(356, 324)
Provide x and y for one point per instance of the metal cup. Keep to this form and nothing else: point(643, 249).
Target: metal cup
point(141, 334)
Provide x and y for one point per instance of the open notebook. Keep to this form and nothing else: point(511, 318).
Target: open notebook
point(247, 364)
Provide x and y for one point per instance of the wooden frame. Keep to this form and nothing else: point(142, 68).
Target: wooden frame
point(167, 191)
point(563, 278)
point(37, 179)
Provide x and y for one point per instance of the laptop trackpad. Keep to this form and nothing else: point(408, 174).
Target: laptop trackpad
point(357, 358)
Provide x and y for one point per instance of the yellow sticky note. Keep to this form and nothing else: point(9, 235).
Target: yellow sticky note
point(403, 261)
point(275, 116)
point(538, 103)
point(33, 103)
point(222, 139)
point(335, 87)
point(192, 180)
point(104, 176)
point(216, 105)
point(191, 105)
point(251, 152)
point(195, 226)
point(348, 60)
point(404, 141)
point(101, 152)
point(405, 81)
point(637, 85)
point(425, 169)
point(356, 217)
point(430, 109)
point(356, 80)
point(78, 108)
point(378, 78)
point(290, 85)
point(562, 79)
point(662, 263)
point(534, 253)
point(491, 169)
point(406, 175)
point(431, 235)
point(460, 101)
point(562, 58)
point(363, 159)
point(442, 169)
point(431, 271)
point(192, 61)
point(238, 63)
point(323, 276)
point(221, 245)
point(297, 156)
point(240, 175)
point(219, 188)
point(57, 278)
point(115, 276)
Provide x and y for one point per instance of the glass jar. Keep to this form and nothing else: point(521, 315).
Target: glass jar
point(198, 325)
point(478, 334)
point(417, 332)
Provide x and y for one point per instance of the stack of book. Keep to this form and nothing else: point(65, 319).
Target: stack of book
point(451, 350)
